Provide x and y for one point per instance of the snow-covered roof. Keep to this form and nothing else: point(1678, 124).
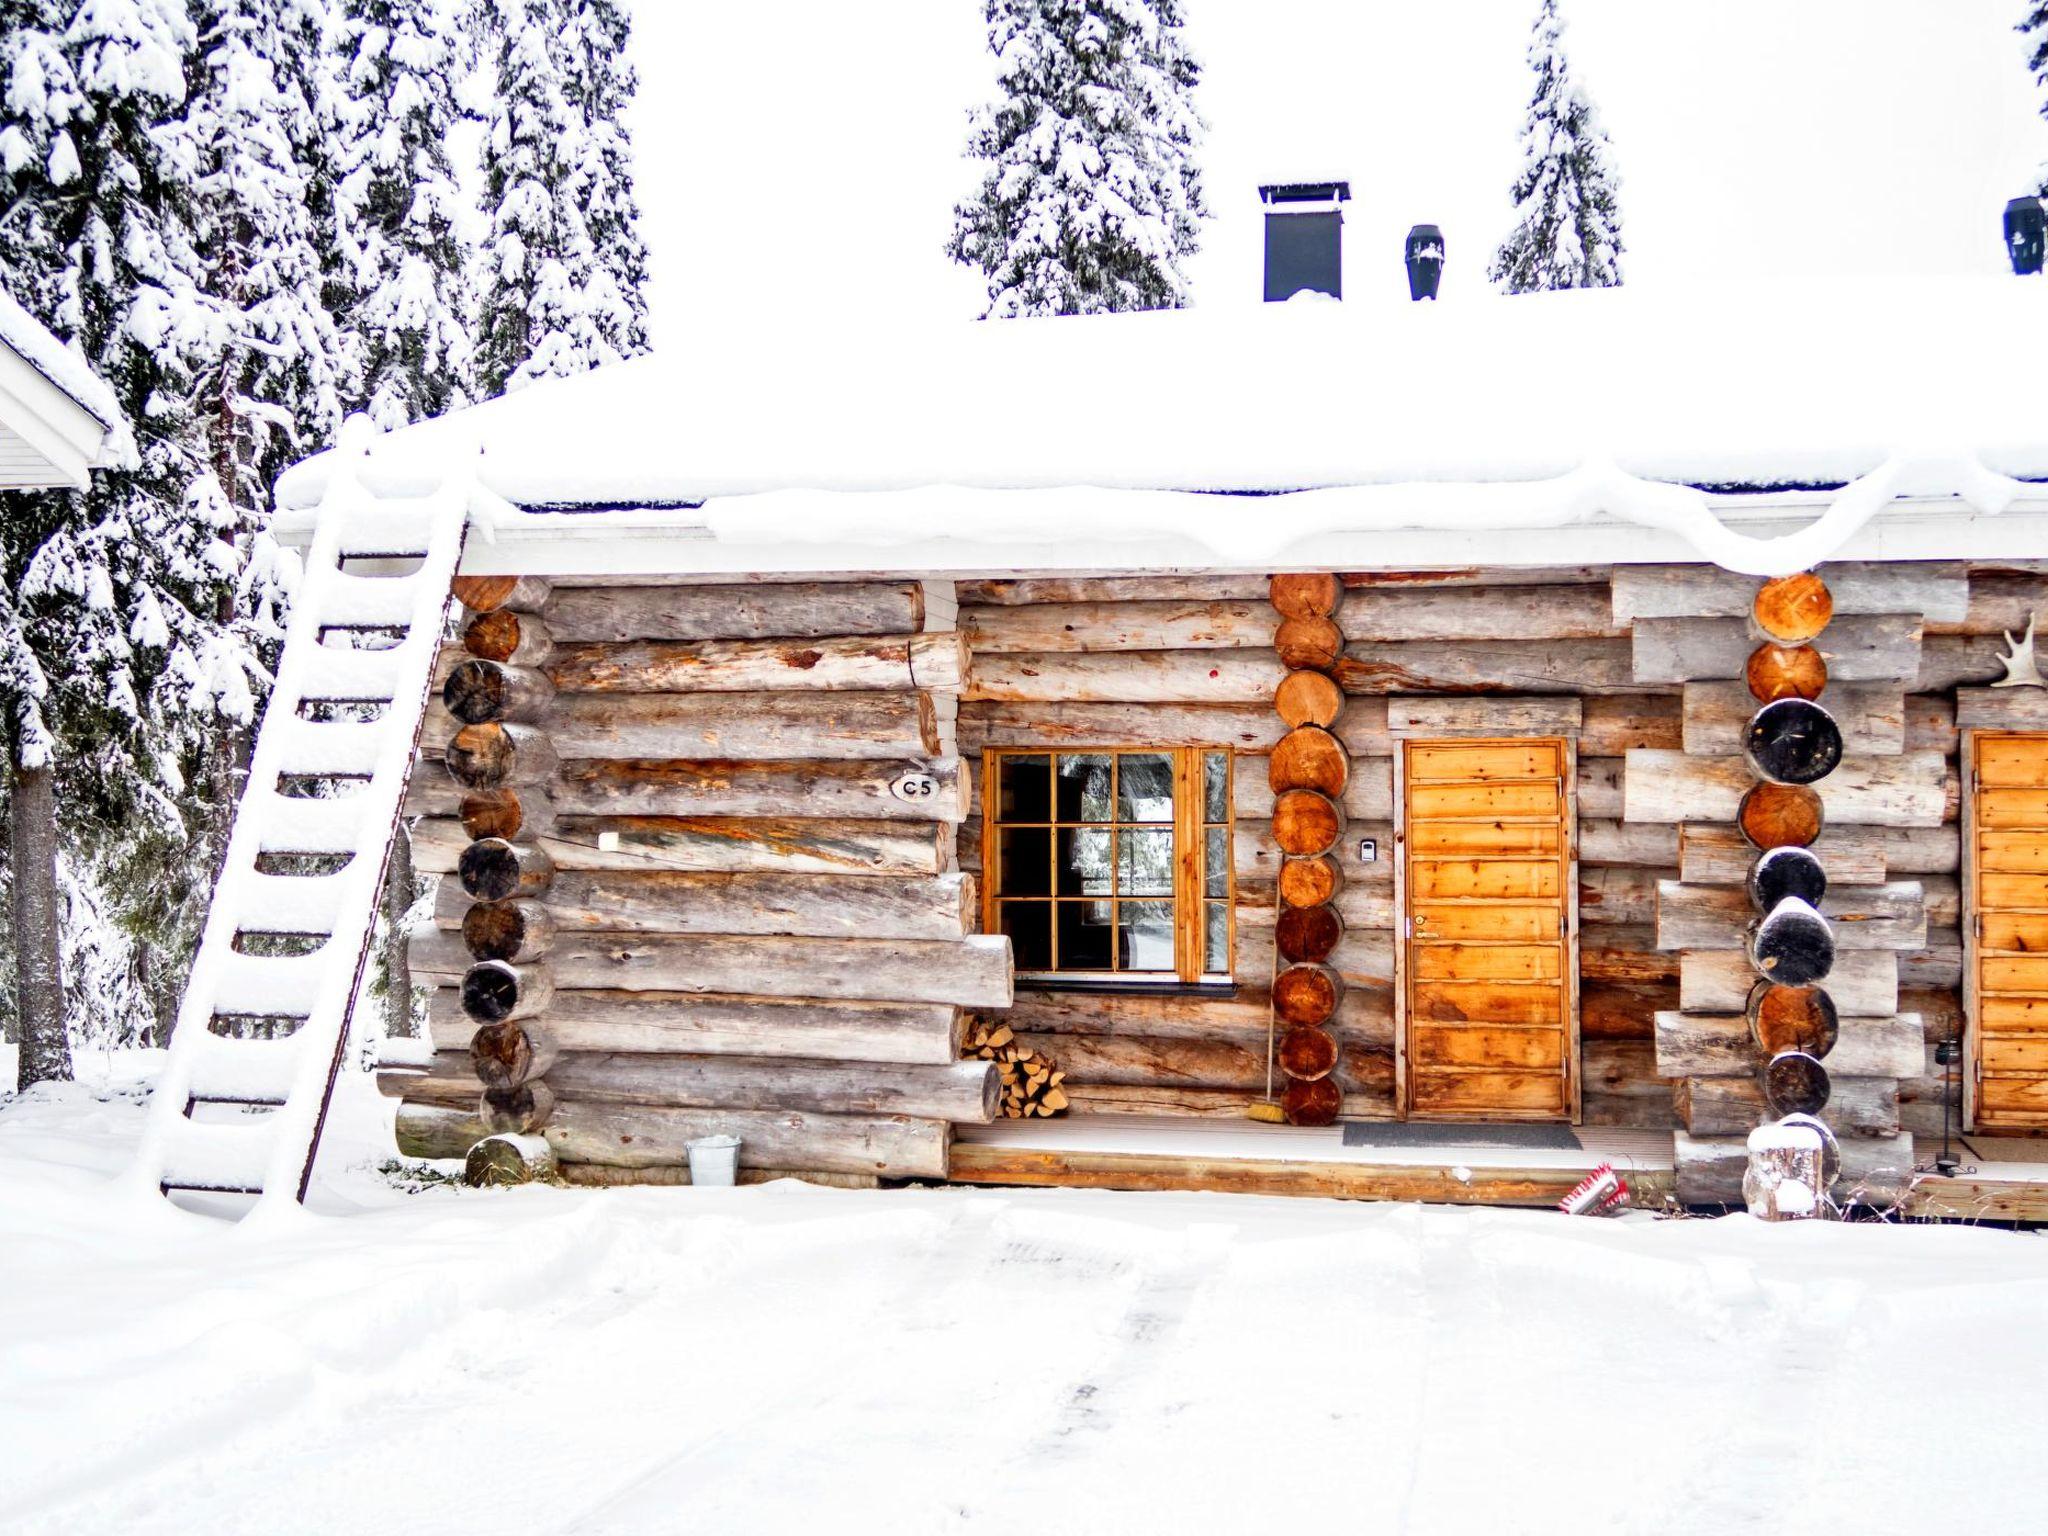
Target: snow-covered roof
point(58, 421)
point(1486, 413)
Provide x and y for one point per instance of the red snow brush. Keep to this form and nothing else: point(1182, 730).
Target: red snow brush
point(1600, 1193)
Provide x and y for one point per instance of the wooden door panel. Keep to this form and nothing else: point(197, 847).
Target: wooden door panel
point(1487, 980)
point(2012, 762)
point(2012, 808)
point(2011, 852)
point(2005, 929)
point(2016, 933)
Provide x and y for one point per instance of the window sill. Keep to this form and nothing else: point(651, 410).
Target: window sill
point(1127, 988)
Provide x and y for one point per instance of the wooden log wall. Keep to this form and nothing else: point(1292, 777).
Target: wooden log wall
point(697, 842)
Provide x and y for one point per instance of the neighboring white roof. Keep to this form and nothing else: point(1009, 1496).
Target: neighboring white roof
point(58, 421)
point(1487, 412)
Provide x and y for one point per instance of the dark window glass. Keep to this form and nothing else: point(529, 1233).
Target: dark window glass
point(1084, 862)
point(1084, 935)
point(1026, 861)
point(1026, 789)
point(1029, 925)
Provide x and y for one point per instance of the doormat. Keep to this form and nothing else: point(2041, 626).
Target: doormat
point(1397, 1133)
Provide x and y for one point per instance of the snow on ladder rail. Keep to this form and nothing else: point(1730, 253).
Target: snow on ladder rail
point(276, 1092)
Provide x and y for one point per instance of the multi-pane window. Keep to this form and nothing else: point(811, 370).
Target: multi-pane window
point(1110, 863)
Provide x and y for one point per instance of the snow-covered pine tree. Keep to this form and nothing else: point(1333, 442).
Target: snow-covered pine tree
point(1568, 193)
point(599, 84)
point(1092, 198)
point(553, 304)
point(2035, 30)
point(112, 666)
point(399, 276)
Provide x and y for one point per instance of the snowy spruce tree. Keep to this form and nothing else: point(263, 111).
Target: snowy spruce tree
point(398, 276)
point(113, 667)
point(561, 266)
point(1567, 196)
point(2035, 30)
point(1091, 198)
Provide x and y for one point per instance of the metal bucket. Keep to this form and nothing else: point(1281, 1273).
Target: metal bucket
point(714, 1159)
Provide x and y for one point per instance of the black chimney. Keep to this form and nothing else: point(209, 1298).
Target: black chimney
point(1425, 258)
point(2026, 234)
point(1304, 238)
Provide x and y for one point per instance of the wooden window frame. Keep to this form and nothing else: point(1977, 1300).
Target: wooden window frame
point(1190, 862)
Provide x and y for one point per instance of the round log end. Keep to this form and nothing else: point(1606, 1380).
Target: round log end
point(490, 991)
point(475, 691)
point(484, 594)
point(480, 756)
point(1311, 1101)
point(1793, 609)
point(501, 1054)
point(1309, 698)
point(500, 1161)
point(516, 1111)
point(1309, 757)
point(493, 813)
point(1781, 872)
point(1315, 643)
point(1792, 944)
point(1305, 994)
point(1306, 823)
point(495, 930)
point(1785, 672)
point(1830, 1149)
point(1312, 596)
point(1780, 816)
point(1307, 934)
point(1309, 882)
point(489, 869)
point(1792, 741)
point(493, 636)
point(1795, 1084)
point(1792, 1019)
point(1307, 1053)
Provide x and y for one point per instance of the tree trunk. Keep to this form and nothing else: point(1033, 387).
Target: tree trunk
point(401, 889)
point(38, 940)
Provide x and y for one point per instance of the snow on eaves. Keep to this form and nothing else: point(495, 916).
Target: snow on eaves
point(60, 364)
point(1510, 412)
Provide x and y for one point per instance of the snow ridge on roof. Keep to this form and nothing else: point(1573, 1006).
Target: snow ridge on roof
point(60, 364)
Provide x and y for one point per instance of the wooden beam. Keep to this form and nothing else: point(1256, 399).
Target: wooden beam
point(1720, 1045)
point(1120, 626)
point(973, 972)
point(628, 1136)
point(1871, 716)
point(1913, 789)
point(860, 789)
point(1892, 916)
point(753, 611)
point(1127, 677)
point(1734, 1106)
point(1490, 715)
point(893, 662)
point(771, 726)
point(1717, 855)
point(1872, 648)
point(715, 844)
point(1864, 983)
point(1939, 591)
point(1485, 666)
point(968, 1092)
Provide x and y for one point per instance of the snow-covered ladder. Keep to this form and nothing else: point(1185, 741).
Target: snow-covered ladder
point(295, 905)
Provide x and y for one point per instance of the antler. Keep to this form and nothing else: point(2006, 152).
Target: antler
point(2021, 668)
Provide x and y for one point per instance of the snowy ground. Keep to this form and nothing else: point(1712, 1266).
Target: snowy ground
point(787, 1359)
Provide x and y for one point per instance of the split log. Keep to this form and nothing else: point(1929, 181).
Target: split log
point(974, 971)
point(516, 1111)
point(1136, 1061)
point(1317, 595)
point(629, 1136)
point(491, 755)
point(513, 931)
point(1792, 741)
point(1015, 591)
point(505, 1161)
point(1892, 916)
point(1802, 1019)
point(1490, 715)
point(1872, 717)
point(1959, 661)
point(894, 662)
point(509, 1053)
point(448, 1077)
point(437, 1130)
point(1649, 844)
point(1127, 677)
point(492, 869)
point(1248, 726)
point(1309, 698)
point(754, 611)
point(1908, 790)
point(487, 594)
point(1791, 944)
point(1308, 934)
point(1309, 882)
point(1775, 672)
point(733, 1025)
point(864, 789)
point(1793, 609)
point(1782, 872)
point(1713, 855)
point(1612, 725)
point(1623, 1010)
point(1794, 1084)
point(964, 1091)
point(1576, 611)
point(2001, 709)
point(1311, 1101)
point(1780, 816)
point(1309, 757)
point(769, 902)
point(1307, 1053)
point(733, 845)
point(1931, 723)
point(1626, 952)
point(479, 691)
point(506, 813)
point(1305, 823)
point(1485, 666)
point(1864, 648)
point(1119, 626)
point(508, 636)
point(1863, 984)
point(1306, 994)
point(770, 726)
point(1032, 1083)
point(495, 990)
point(1368, 791)
point(1308, 643)
point(1938, 590)
point(1733, 1106)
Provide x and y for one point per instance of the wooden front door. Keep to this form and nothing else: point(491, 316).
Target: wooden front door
point(1485, 884)
point(2005, 931)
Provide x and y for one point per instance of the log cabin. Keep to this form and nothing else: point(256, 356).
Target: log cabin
point(1336, 765)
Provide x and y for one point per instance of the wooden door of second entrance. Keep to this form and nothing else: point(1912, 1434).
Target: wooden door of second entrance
point(1486, 902)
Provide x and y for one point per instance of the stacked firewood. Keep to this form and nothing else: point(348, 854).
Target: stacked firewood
point(1031, 1082)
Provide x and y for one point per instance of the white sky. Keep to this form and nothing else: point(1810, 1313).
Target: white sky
point(802, 157)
